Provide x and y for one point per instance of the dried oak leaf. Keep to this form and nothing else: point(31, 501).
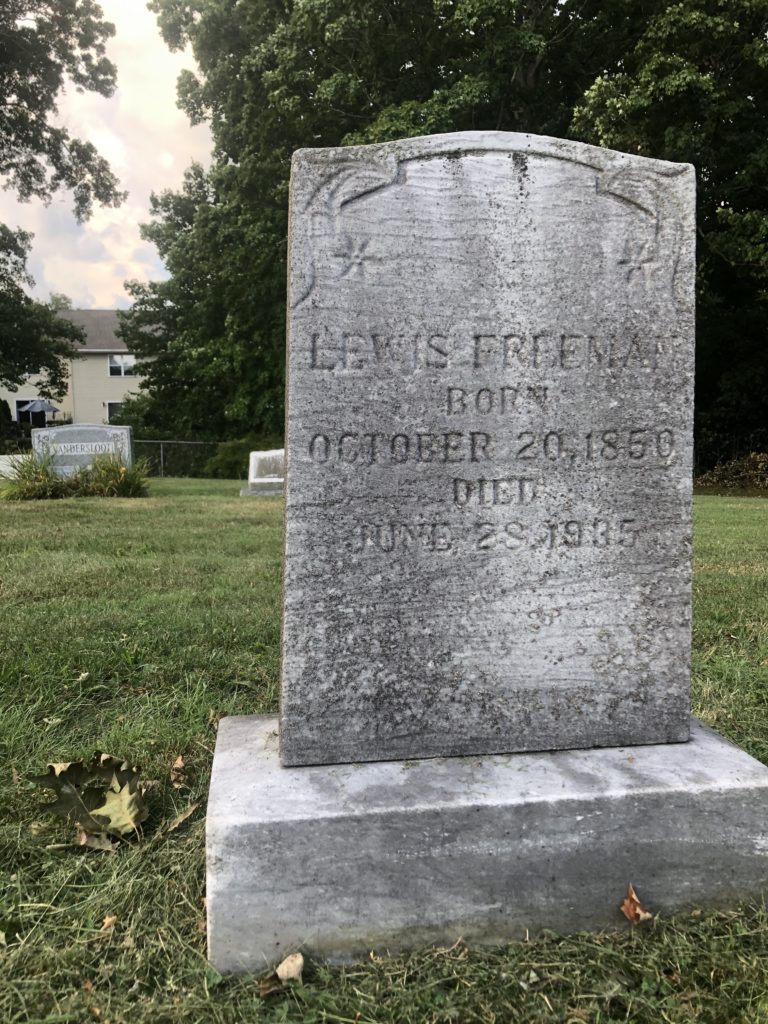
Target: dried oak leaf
point(178, 775)
point(270, 985)
point(633, 909)
point(102, 798)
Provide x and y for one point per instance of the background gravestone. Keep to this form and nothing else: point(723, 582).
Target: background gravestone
point(266, 472)
point(489, 439)
point(75, 447)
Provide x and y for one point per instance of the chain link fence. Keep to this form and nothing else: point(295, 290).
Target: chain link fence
point(164, 458)
point(178, 458)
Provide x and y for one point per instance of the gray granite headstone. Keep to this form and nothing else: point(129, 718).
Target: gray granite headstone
point(75, 447)
point(488, 530)
point(487, 551)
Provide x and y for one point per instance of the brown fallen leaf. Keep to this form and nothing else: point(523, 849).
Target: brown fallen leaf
point(103, 797)
point(181, 818)
point(178, 775)
point(96, 841)
point(633, 909)
point(286, 971)
point(269, 985)
point(109, 923)
point(290, 969)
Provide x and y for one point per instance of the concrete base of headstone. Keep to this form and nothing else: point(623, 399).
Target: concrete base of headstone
point(262, 488)
point(340, 860)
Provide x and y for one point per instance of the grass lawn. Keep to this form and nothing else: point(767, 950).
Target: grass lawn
point(131, 626)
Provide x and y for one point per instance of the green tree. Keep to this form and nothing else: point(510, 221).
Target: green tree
point(274, 78)
point(33, 339)
point(43, 46)
point(682, 81)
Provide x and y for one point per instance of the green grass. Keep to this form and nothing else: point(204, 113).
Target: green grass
point(130, 626)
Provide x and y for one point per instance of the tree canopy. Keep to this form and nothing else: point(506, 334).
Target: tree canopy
point(683, 81)
point(45, 45)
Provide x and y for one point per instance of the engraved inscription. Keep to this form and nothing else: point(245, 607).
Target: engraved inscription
point(518, 490)
point(548, 350)
point(556, 536)
point(571, 533)
point(367, 449)
point(512, 350)
point(632, 445)
point(491, 399)
point(388, 537)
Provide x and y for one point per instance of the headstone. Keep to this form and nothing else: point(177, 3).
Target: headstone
point(75, 446)
point(266, 471)
point(487, 553)
point(490, 395)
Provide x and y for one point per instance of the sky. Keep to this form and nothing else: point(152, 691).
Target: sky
point(148, 142)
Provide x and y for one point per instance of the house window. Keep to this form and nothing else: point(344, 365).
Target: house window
point(122, 366)
point(113, 410)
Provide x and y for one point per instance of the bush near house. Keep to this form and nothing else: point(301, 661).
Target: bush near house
point(33, 477)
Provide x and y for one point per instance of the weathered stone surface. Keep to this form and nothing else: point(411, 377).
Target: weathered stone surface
point(74, 447)
point(266, 472)
point(344, 859)
point(489, 449)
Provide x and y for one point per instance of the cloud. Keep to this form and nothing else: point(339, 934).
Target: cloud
point(148, 142)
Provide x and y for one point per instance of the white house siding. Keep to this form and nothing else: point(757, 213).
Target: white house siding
point(92, 387)
point(28, 392)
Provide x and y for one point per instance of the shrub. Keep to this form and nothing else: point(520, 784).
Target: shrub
point(33, 477)
point(109, 477)
point(231, 460)
point(749, 471)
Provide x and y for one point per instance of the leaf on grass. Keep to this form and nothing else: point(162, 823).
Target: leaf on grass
point(287, 970)
point(109, 923)
point(178, 775)
point(270, 985)
point(181, 818)
point(123, 809)
point(104, 797)
point(633, 909)
point(96, 841)
point(290, 969)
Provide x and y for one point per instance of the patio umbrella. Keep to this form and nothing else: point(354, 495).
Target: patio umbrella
point(38, 405)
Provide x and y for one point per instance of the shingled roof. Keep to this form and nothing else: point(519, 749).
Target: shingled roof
point(100, 326)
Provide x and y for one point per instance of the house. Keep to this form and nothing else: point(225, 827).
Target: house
point(99, 381)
